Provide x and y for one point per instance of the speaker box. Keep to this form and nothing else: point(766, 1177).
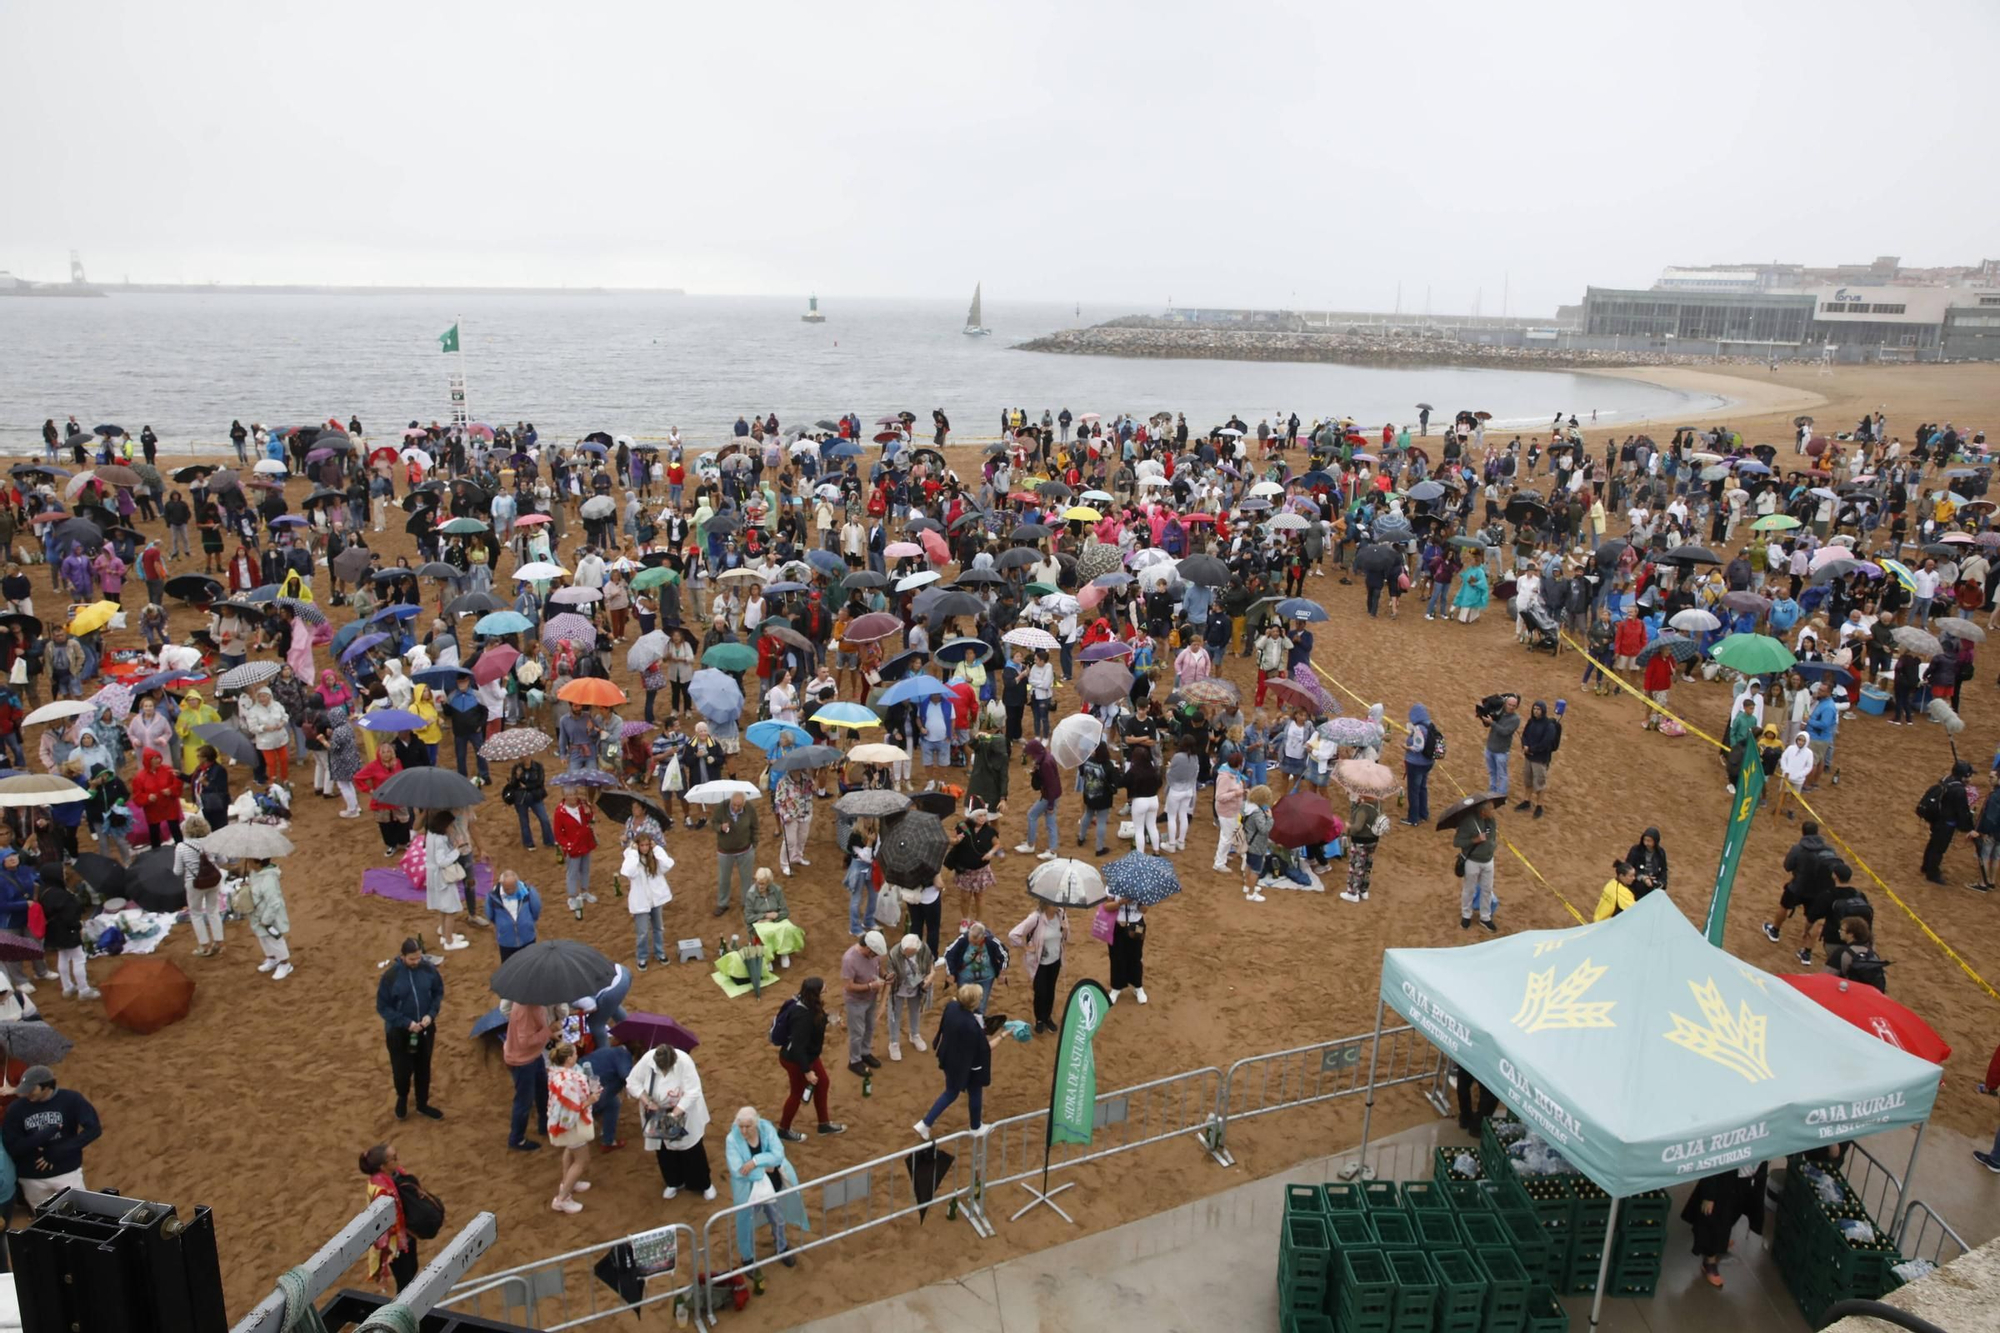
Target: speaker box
point(94, 1260)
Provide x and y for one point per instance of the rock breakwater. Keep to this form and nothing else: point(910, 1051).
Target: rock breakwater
point(1136, 339)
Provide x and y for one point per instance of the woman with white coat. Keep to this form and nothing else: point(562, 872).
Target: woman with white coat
point(667, 1087)
point(445, 869)
point(1042, 940)
point(646, 891)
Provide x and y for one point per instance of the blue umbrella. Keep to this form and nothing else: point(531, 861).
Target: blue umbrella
point(440, 677)
point(1254, 505)
point(845, 449)
point(955, 651)
point(845, 714)
point(399, 611)
point(490, 1021)
point(913, 689)
point(1312, 479)
point(362, 645)
point(1291, 607)
point(766, 734)
point(826, 561)
point(389, 719)
point(346, 634)
point(593, 447)
point(1142, 879)
point(1748, 465)
point(716, 695)
point(503, 622)
point(785, 586)
point(267, 593)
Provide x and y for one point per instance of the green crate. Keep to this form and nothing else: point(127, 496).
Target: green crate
point(1493, 1158)
point(1298, 1322)
point(1483, 1230)
point(1549, 1198)
point(1346, 1229)
point(1305, 1199)
point(1648, 1211)
point(1441, 1163)
point(1545, 1312)
point(1506, 1280)
point(1339, 1196)
point(1423, 1196)
point(1593, 1205)
point(1305, 1234)
point(1467, 1196)
point(1531, 1242)
point(1461, 1285)
point(1380, 1196)
point(1438, 1231)
point(1394, 1230)
point(1416, 1292)
point(1367, 1287)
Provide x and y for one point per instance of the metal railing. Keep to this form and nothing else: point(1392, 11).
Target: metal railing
point(846, 1203)
point(1879, 1189)
point(1182, 1105)
point(571, 1281)
point(1934, 1231)
point(1322, 1072)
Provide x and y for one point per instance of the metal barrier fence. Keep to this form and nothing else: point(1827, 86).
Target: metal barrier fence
point(845, 1203)
point(571, 1281)
point(1321, 1072)
point(1934, 1231)
point(1879, 1189)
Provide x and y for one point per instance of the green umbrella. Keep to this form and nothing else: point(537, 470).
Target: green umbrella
point(1774, 523)
point(730, 657)
point(652, 578)
point(1041, 589)
point(462, 527)
point(1753, 654)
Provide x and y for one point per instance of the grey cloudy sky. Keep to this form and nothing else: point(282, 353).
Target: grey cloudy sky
point(1243, 154)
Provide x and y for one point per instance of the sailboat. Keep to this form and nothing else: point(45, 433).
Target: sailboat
point(812, 314)
point(973, 328)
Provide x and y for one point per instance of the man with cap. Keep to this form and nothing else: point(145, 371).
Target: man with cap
point(408, 998)
point(1948, 810)
point(862, 984)
point(45, 1131)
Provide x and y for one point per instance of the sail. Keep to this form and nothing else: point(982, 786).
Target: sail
point(972, 316)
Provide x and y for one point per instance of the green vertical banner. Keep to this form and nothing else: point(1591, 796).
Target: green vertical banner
point(448, 340)
point(1749, 786)
point(1073, 1093)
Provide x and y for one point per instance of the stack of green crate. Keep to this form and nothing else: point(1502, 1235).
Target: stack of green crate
point(1366, 1299)
point(1305, 1254)
point(1640, 1245)
point(1541, 1254)
point(1552, 1204)
point(1545, 1312)
point(1587, 1224)
point(1507, 1288)
point(1817, 1262)
point(1461, 1298)
point(1415, 1307)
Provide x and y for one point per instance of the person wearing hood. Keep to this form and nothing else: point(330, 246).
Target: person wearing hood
point(1810, 864)
point(271, 732)
point(1540, 739)
point(157, 791)
point(430, 734)
point(1048, 791)
point(149, 729)
point(17, 889)
point(1648, 860)
point(1422, 748)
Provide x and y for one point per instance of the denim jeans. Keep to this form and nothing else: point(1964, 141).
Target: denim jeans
point(1439, 592)
point(576, 877)
point(937, 754)
point(541, 812)
point(1417, 791)
point(1102, 818)
point(610, 1011)
point(1496, 772)
point(460, 743)
point(531, 1090)
point(860, 898)
point(1041, 711)
point(1042, 812)
point(646, 926)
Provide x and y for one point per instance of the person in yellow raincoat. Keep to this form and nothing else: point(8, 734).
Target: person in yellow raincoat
point(1617, 895)
point(195, 712)
point(296, 586)
point(425, 707)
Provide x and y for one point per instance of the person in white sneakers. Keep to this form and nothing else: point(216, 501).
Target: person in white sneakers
point(1182, 780)
point(269, 921)
point(1128, 949)
point(1230, 793)
point(1365, 825)
point(1256, 840)
point(444, 875)
point(911, 965)
point(667, 1087)
point(965, 1054)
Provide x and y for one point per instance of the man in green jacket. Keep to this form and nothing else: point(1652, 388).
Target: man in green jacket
point(735, 847)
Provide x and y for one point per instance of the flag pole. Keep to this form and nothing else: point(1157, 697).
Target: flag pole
point(1075, 1069)
point(465, 386)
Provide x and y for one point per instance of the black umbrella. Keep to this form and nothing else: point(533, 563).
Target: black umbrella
point(807, 757)
point(967, 519)
point(727, 521)
point(426, 787)
point(80, 532)
point(474, 603)
point(197, 588)
point(917, 525)
point(392, 573)
point(956, 604)
point(939, 803)
point(1522, 509)
point(929, 1167)
point(193, 472)
point(620, 805)
point(1376, 557)
point(152, 881)
point(903, 663)
point(1677, 646)
point(104, 875)
point(416, 500)
point(1691, 555)
point(1019, 557)
point(418, 524)
point(865, 578)
point(352, 563)
point(228, 741)
point(1206, 570)
point(29, 625)
point(552, 972)
point(438, 569)
point(913, 847)
point(978, 576)
point(320, 495)
point(1028, 532)
point(1451, 818)
point(1054, 490)
point(1608, 553)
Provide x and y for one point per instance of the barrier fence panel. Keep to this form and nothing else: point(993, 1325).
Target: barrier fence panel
point(845, 1203)
point(1932, 1231)
point(1126, 1119)
point(1321, 1072)
point(1879, 1189)
point(518, 1295)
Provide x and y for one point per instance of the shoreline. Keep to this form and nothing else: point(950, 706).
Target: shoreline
point(1736, 393)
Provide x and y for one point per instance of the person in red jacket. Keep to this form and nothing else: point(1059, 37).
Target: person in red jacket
point(1659, 684)
point(1627, 641)
point(393, 820)
point(577, 839)
point(156, 790)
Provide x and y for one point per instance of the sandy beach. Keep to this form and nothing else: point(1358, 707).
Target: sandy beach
point(258, 1104)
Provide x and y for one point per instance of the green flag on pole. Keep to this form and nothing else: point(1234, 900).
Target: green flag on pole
point(1073, 1095)
point(448, 340)
point(1749, 785)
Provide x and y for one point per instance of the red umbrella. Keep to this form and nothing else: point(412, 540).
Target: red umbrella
point(494, 663)
point(650, 1030)
point(875, 625)
point(1816, 445)
point(1304, 819)
point(1290, 693)
point(1874, 1013)
point(934, 546)
point(887, 436)
point(1197, 518)
point(147, 994)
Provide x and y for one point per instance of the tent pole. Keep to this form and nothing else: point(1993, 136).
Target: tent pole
point(1360, 1163)
point(1604, 1264)
point(1894, 1219)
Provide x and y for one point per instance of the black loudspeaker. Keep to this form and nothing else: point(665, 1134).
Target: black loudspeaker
point(94, 1261)
point(350, 1307)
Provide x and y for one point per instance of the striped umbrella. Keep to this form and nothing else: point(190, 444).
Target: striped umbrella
point(247, 675)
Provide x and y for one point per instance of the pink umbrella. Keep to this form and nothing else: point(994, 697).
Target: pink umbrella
point(900, 550)
point(1089, 595)
point(531, 520)
point(934, 547)
point(494, 663)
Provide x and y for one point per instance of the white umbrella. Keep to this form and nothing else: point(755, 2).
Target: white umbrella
point(878, 752)
point(57, 711)
point(1155, 481)
point(715, 793)
point(804, 447)
point(740, 575)
point(1694, 620)
point(1267, 488)
point(536, 570)
point(1152, 555)
point(1067, 883)
point(1074, 738)
point(1060, 604)
point(651, 647)
point(420, 458)
point(27, 789)
point(1029, 637)
point(1288, 522)
point(244, 841)
point(917, 580)
point(270, 467)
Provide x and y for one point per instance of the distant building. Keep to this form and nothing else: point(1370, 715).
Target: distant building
point(1708, 280)
point(1885, 316)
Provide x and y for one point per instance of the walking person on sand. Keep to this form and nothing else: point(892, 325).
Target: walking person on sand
point(1476, 839)
point(573, 1096)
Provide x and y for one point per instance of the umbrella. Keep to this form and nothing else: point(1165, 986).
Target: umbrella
point(765, 735)
point(948, 604)
point(1290, 693)
point(1104, 683)
point(426, 787)
point(621, 805)
point(650, 1030)
point(874, 626)
point(955, 651)
point(514, 744)
point(15, 948)
point(583, 777)
point(104, 875)
point(1304, 819)
point(1755, 654)
point(441, 678)
point(575, 596)
point(1105, 651)
point(33, 1043)
point(1205, 570)
point(93, 617)
point(1874, 1013)
point(536, 571)
point(730, 657)
point(1027, 636)
point(1353, 731)
point(552, 971)
point(807, 757)
point(854, 716)
point(195, 588)
point(1900, 570)
point(1691, 555)
point(147, 994)
point(876, 752)
point(913, 847)
point(1016, 557)
point(31, 789)
point(591, 692)
point(1212, 690)
point(1694, 620)
point(1456, 813)
point(1745, 601)
point(461, 527)
point(1365, 777)
point(572, 627)
point(362, 645)
point(720, 790)
point(1914, 640)
point(915, 689)
point(352, 563)
point(1137, 877)
point(1301, 608)
point(1960, 628)
point(716, 696)
point(227, 741)
point(246, 842)
point(388, 720)
point(396, 611)
point(873, 803)
point(1677, 646)
point(1066, 883)
point(494, 663)
point(30, 626)
point(249, 674)
point(1774, 523)
point(650, 648)
point(1074, 739)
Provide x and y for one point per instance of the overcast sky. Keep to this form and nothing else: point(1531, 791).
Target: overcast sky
point(1305, 154)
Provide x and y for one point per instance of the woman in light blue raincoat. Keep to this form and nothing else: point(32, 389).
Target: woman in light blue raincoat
point(754, 1149)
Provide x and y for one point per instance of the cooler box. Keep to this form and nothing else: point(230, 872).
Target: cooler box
point(1874, 700)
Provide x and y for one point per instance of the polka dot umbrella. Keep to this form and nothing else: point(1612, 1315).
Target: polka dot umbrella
point(515, 744)
point(1137, 877)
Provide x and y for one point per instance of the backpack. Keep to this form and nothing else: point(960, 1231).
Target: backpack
point(1868, 969)
point(1931, 803)
point(206, 876)
point(1095, 783)
point(1434, 744)
point(423, 1212)
point(1850, 903)
point(781, 1022)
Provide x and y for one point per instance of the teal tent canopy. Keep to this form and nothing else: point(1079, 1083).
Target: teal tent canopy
point(1646, 1055)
